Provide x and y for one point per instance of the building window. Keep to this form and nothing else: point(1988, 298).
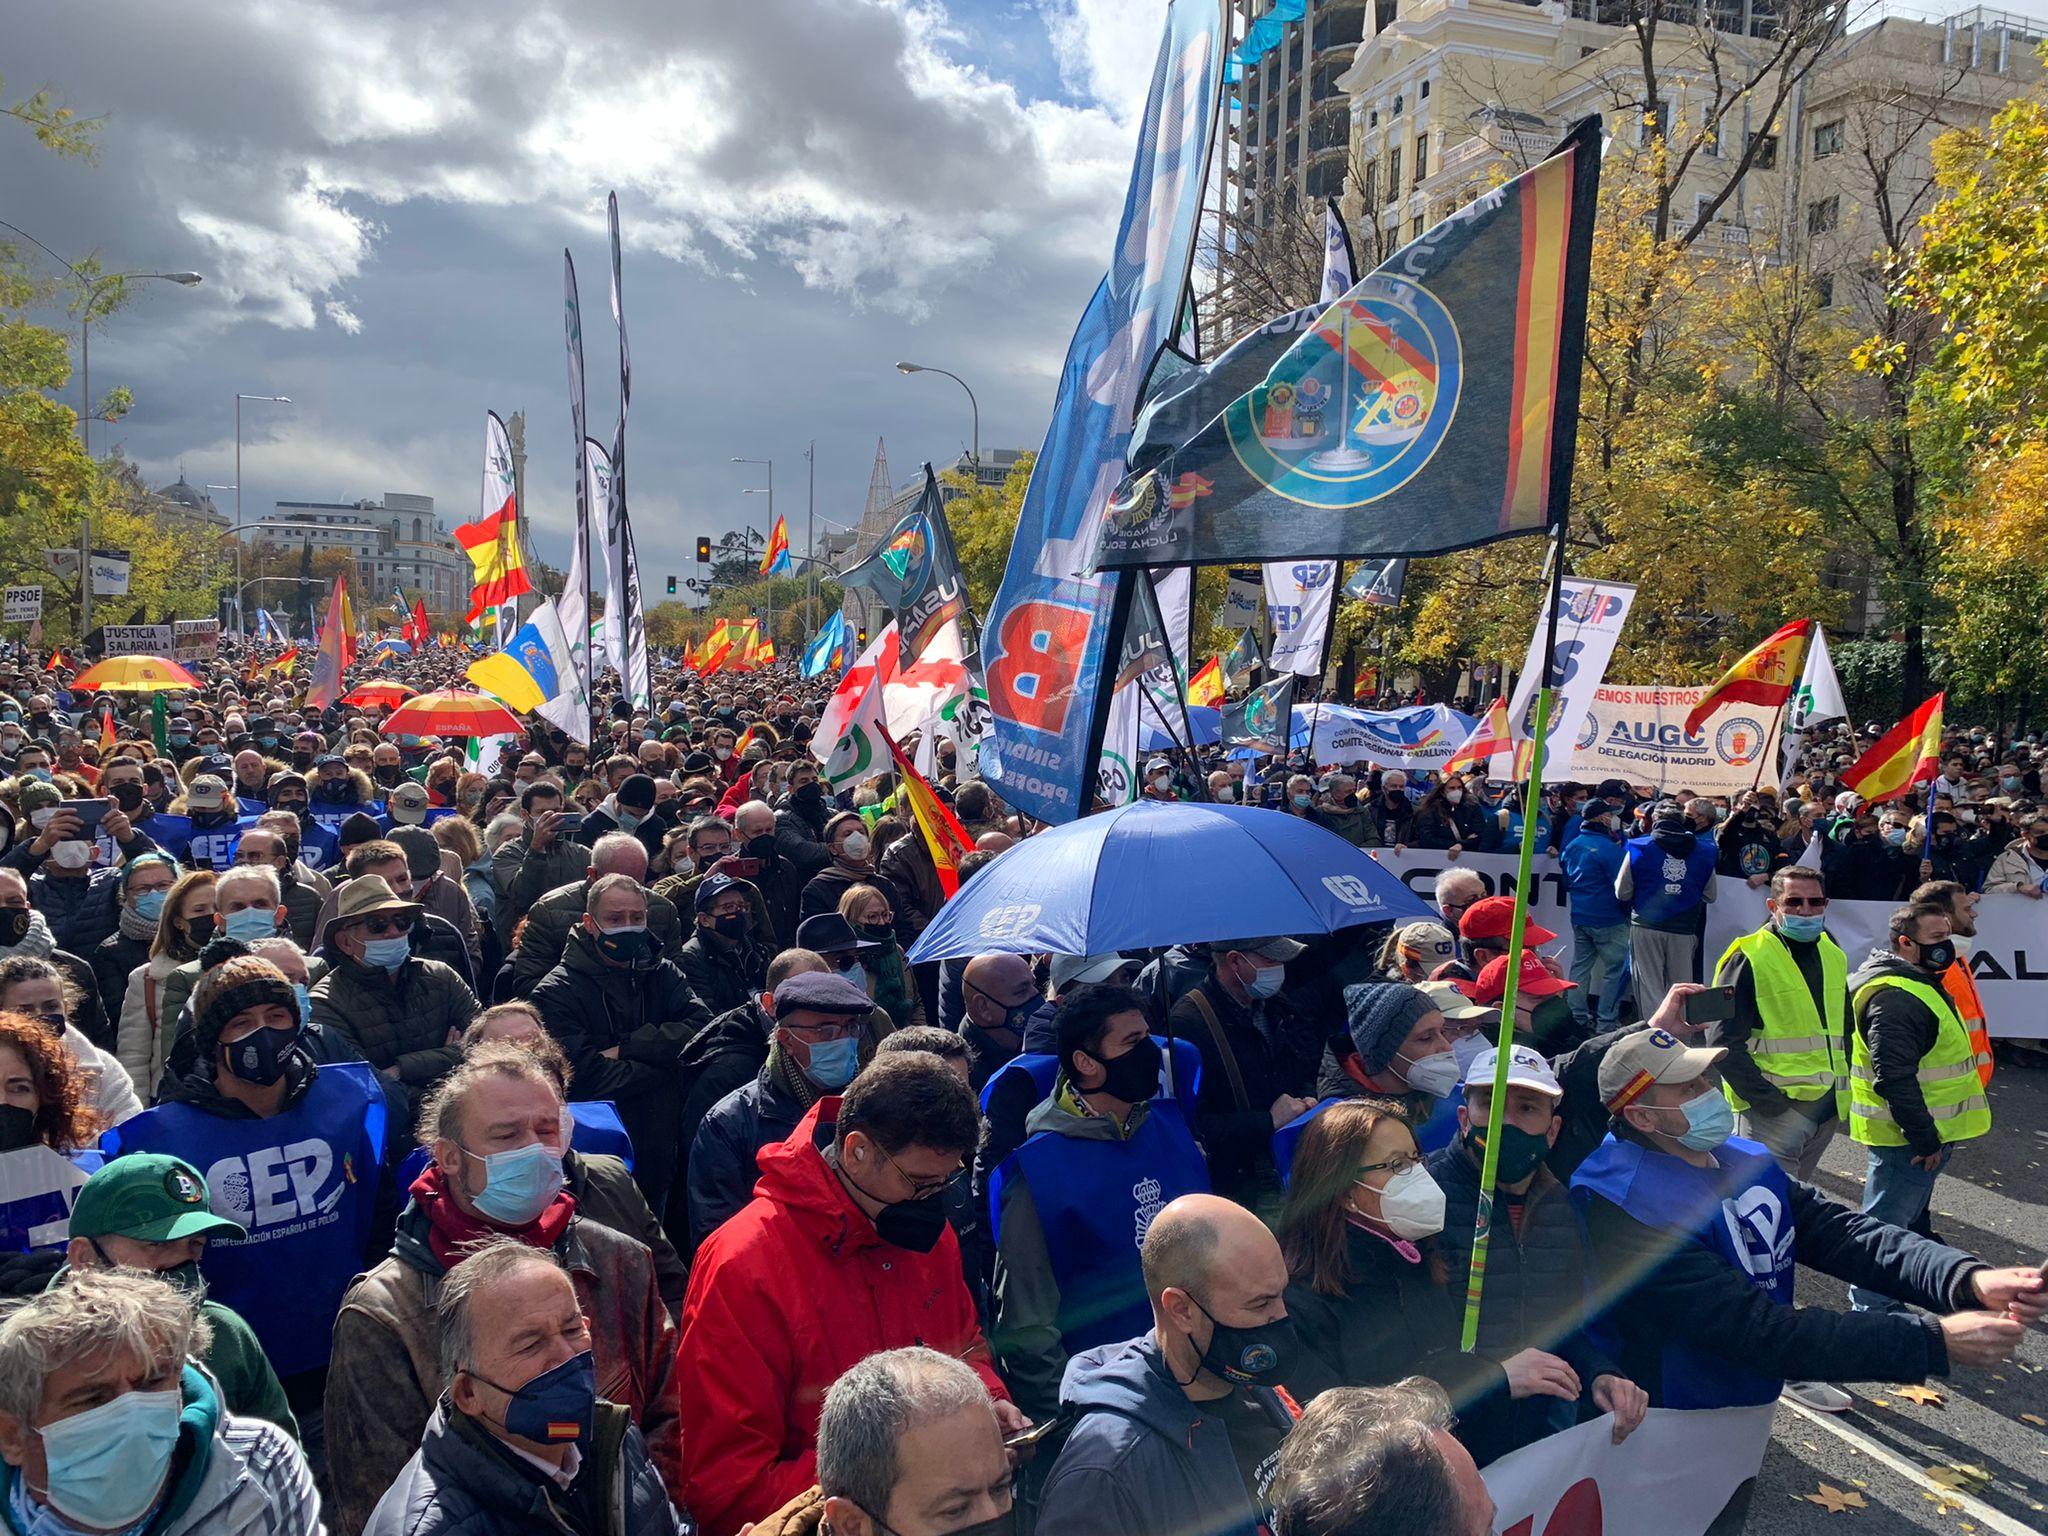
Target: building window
point(1372, 185)
point(1700, 202)
point(1394, 172)
point(1372, 118)
point(1827, 139)
point(1415, 228)
point(1654, 123)
point(1824, 289)
point(1766, 158)
point(1397, 106)
point(1423, 94)
point(1823, 215)
point(1710, 146)
point(1421, 156)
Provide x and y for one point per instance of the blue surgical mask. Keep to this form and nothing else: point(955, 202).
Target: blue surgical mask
point(519, 1184)
point(1709, 1121)
point(833, 1063)
point(388, 954)
point(250, 924)
point(305, 996)
point(181, 738)
point(1804, 929)
point(1266, 981)
point(108, 1464)
point(1302, 802)
point(1896, 836)
point(627, 820)
point(149, 905)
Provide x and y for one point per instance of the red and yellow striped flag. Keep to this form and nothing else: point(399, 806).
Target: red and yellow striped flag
point(1767, 677)
point(943, 834)
point(1492, 734)
point(1907, 754)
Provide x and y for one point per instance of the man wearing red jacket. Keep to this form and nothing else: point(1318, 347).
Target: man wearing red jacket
point(841, 1253)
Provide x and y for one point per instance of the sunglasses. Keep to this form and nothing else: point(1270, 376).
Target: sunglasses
point(383, 927)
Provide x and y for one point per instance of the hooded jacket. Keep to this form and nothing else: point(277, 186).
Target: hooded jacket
point(463, 1481)
point(386, 1375)
point(783, 1300)
point(647, 1010)
point(1143, 1455)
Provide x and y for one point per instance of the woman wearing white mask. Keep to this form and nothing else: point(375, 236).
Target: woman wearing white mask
point(1366, 1284)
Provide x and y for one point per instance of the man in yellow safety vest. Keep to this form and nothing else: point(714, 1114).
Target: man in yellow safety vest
point(1959, 982)
point(1914, 1089)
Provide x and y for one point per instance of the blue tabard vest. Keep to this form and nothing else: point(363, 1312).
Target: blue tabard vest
point(38, 1187)
point(1433, 1135)
point(1095, 1199)
point(318, 846)
point(1666, 886)
point(1740, 1212)
point(304, 1183)
point(330, 815)
point(173, 834)
point(598, 1132)
point(214, 847)
point(1043, 1068)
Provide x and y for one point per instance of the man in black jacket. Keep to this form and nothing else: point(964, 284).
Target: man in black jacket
point(631, 810)
point(778, 877)
point(721, 959)
point(622, 1013)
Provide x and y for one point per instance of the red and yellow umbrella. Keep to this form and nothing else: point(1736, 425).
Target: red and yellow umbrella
point(382, 692)
point(452, 712)
point(135, 674)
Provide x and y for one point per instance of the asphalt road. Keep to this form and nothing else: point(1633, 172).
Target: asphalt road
point(1971, 1463)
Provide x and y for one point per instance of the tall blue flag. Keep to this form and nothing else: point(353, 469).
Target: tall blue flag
point(828, 651)
point(1043, 646)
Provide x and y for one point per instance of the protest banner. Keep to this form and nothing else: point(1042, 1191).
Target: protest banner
point(21, 605)
point(2008, 957)
point(138, 640)
point(1637, 734)
point(1672, 1477)
point(1423, 737)
point(37, 1189)
point(195, 639)
point(109, 572)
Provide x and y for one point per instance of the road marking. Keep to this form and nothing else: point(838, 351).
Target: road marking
point(1990, 1519)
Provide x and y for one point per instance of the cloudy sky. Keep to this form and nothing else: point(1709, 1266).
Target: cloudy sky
point(378, 193)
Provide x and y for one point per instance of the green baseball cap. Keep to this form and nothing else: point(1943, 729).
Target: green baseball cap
point(150, 1197)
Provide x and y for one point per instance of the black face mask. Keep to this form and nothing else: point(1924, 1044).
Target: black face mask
point(390, 775)
point(302, 760)
point(1004, 1524)
point(338, 791)
point(200, 929)
point(1257, 1356)
point(14, 924)
point(208, 819)
point(762, 847)
point(17, 1127)
point(734, 925)
point(916, 1225)
point(808, 794)
point(260, 1058)
point(128, 797)
point(296, 807)
point(1134, 1076)
point(877, 933)
point(1937, 957)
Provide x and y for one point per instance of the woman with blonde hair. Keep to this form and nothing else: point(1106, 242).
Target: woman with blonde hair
point(874, 920)
point(182, 929)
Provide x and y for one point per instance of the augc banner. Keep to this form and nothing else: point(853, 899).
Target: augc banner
point(1638, 735)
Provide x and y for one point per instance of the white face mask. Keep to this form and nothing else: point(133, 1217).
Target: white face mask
point(1453, 796)
point(1435, 1074)
point(71, 854)
point(1225, 795)
point(1412, 1204)
point(856, 847)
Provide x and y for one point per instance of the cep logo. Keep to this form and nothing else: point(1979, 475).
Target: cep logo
point(275, 1185)
point(1309, 577)
point(1756, 1224)
point(1011, 921)
point(1349, 889)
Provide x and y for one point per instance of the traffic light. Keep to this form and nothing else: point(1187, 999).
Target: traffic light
point(861, 637)
point(703, 551)
point(671, 586)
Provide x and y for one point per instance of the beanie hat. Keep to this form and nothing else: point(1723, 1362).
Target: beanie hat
point(240, 981)
point(1379, 1015)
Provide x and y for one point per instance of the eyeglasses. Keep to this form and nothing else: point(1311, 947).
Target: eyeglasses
point(821, 1034)
point(1398, 1164)
point(382, 927)
point(920, 1189)
point(1803, 903)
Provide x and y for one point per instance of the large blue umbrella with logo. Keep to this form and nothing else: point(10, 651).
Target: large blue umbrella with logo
point(1154, 873)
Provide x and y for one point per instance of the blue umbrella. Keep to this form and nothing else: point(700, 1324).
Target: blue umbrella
point(1205, 724)
point(1154, 873)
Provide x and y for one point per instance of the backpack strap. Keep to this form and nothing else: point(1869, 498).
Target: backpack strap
point(1221, 1041)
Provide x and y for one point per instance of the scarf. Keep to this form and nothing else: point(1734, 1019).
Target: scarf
point(451, 1229)
point(38, 942)
point(786, 1075)
point(134, 925)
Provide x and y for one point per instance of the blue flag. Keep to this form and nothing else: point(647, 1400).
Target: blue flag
point(828, 651)
point(1043, 646)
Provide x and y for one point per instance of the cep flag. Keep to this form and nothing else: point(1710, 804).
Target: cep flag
point(1432, 408)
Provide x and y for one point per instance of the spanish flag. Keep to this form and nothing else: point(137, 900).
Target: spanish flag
point(492, 544)
point(341, 606)
point(1492, 734)
point(1907, 754)
point(1206, 686)
point(1767, 677)
point(716, 647)
point(943, 834)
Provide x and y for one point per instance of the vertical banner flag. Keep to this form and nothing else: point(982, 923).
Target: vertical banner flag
point(1433, 407)
point(1378, 583)
point(1339, 269)
point(915, 574)
point(574, 605)
point(1817, 701)
point(1589, 625)
point(1150, 683)
point(1299, 596)
point(597, 462)
point(621, 559)
point(1044, 643)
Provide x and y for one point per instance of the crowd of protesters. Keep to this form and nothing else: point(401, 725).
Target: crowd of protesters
point(571, 1146)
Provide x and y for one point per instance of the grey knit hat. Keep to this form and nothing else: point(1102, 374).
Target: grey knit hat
point(1380, 1014)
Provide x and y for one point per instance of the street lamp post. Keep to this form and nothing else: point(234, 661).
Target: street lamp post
point(972, 404)
point(769, 465)
point(241, 629)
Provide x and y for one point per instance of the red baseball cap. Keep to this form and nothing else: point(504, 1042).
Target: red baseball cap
point(1492, 984)
point(1493, 917)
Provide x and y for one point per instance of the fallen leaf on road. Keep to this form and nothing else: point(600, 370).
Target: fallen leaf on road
point(2034, 1419)
point(1960, 1476)
point(1925, 1395)
point(1881, 1402)
point(1834, 1500)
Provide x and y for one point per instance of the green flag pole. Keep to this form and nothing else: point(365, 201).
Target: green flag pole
point(1532, 791)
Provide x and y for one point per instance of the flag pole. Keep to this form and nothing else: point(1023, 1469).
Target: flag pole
point(1776, 744)
point(1482, 1224)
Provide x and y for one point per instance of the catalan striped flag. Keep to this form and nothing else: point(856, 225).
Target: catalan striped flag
point(1907, 754)
point(943, 834)
point(1767, 677)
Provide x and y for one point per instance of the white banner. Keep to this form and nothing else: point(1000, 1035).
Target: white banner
point(1423, 737)
point(1148, 701)
point(1672, 1477)
point(1240, 601)
point(62, 562)
point(2008, 957)
point(37, 1190)
point(21, 605)
point(110, 573)
point(1638, 735)
point(1298, 596)
point(195, 639)
point(138, 639)
point(1588, 625)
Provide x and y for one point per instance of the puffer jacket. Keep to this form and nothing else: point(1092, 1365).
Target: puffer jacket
point(385, 1375)
point(725, 1152)
point(82, 909)
point(783, 1300)
point(113, 961)
point(522, 876)
point(723, 975)
point(399, 1018)
point(464, 1482)
point(144, 1035)
point(647, 1010)
point(305, 893)
point(556, 915)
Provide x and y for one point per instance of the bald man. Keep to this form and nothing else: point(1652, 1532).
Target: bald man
point(1174, 1425)
point(998, 996)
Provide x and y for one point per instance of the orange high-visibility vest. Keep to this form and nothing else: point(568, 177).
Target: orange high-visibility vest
point(1961, 988)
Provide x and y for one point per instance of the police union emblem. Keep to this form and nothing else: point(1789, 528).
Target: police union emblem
point(1358, 406)
point(1737, 741)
